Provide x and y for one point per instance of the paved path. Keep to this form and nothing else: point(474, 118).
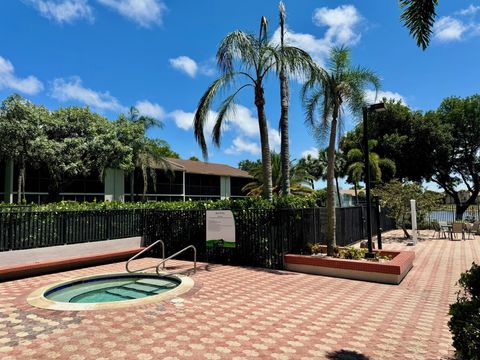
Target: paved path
point(246, 313)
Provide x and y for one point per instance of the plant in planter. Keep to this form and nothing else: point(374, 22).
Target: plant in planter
point(465, 321)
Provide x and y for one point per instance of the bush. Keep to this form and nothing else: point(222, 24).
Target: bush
point(465, 321)
point(290, 202)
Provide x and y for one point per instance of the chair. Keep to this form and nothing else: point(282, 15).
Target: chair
point(473, 229)
point(458, 228)
point(437, 229)
point(445, 228)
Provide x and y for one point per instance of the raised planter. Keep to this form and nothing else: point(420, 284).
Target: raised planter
point(388, 272)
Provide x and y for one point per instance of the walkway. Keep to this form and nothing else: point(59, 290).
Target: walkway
point(246, 313)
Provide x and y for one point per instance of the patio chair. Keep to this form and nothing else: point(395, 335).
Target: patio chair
point(458, 228)
point(437, 229)
point(445, 228)
point(472, 229)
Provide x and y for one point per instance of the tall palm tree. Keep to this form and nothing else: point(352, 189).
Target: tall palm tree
point(299, 178)
point(328, 91)
point(419, 17)
point(242, 56)
point(284, 102)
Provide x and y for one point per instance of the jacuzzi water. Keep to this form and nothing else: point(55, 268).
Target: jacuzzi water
point(110, 288)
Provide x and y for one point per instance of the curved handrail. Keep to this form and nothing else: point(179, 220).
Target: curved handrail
point(178, 253)
point(143, 251)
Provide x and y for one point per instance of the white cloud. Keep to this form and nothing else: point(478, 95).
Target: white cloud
point(147, 108)
point(342, 29)
point(274, 139)
point(471, 10)
point(29, 85)
point(313, 152)
point(243, 119)
point(370, 96)
point(63, 11)
point(341, 22)
point(144, 12)
point(185, 64)
point(72, 89)
point(184, 120)
point(448, 28)
point(240, 145)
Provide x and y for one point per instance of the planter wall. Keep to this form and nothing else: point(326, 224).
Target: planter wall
point(390, 272)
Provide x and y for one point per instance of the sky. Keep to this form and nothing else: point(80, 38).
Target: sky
point(159, 55)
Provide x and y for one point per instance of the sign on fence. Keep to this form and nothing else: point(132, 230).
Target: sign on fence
point(220, 229)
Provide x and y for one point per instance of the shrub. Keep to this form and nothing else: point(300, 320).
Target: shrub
point(465, 321)
point(290, 202)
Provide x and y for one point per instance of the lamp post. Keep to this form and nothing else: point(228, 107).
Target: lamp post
point(366, 110)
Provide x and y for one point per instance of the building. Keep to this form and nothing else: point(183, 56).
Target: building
point(187, 179)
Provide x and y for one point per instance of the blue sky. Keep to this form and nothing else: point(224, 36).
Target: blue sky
point(159, 56)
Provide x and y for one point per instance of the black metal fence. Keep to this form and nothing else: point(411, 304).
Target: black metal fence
point(262, 236)
point(448, 213)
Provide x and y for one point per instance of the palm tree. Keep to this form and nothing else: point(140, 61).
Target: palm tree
point(284, 102)
point(419, 17)
point(317, 167)
point(249, 58)
point(327, 91)
point(299, 178)
point(146, 153)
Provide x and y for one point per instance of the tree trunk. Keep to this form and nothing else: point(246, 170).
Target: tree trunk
point(331, 241)
point(356, 193)
point(338, 192)
point(21, 171)
point(266, 160)
point(145, 184)
point(405, 232)
point(284, 101)
point(132, 174)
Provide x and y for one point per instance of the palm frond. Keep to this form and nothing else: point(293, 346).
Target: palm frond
point(204, 105)
point(419, 17)
point(227, 108)
point(236, 45)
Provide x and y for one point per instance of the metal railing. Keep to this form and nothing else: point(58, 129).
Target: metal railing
point(162, 263)
point(144, 251)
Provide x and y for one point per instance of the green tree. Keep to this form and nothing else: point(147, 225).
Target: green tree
point(242, 56)
point(147, 154)
point(299, 178)
point(396, 196)
point(316, 167)
point(248, 165)
point(459, 166)
point(79, 143)
point(419, 16)
point(21, 133)
point(193, 158)
point(327, 91)
point(380, 169)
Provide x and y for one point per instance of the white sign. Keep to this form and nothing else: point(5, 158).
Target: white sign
point(220, 228)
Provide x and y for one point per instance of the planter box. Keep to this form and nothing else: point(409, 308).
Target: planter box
point(389, 272)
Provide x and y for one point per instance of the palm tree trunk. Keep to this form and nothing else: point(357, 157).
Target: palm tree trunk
point(284, 100)
point(266, 159)
point(338, 191)
point(356, 194)
point(145, 184)
point(331, 241)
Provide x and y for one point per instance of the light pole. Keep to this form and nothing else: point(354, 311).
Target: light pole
point(366, 110)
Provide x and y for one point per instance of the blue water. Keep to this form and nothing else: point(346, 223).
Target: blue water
point(112, 288)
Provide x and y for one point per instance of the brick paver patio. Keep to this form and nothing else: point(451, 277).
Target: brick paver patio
point(246, 313)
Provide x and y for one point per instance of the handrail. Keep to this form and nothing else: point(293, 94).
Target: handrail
point(178, 253)
point(141, 252)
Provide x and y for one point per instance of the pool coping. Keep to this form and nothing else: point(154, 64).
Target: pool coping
point(37, 298)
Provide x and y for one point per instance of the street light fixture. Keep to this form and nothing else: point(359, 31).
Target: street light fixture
point(366, 110)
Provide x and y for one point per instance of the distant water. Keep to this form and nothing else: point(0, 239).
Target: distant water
point(449, 215)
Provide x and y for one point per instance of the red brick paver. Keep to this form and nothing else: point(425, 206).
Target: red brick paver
point(245, 313)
